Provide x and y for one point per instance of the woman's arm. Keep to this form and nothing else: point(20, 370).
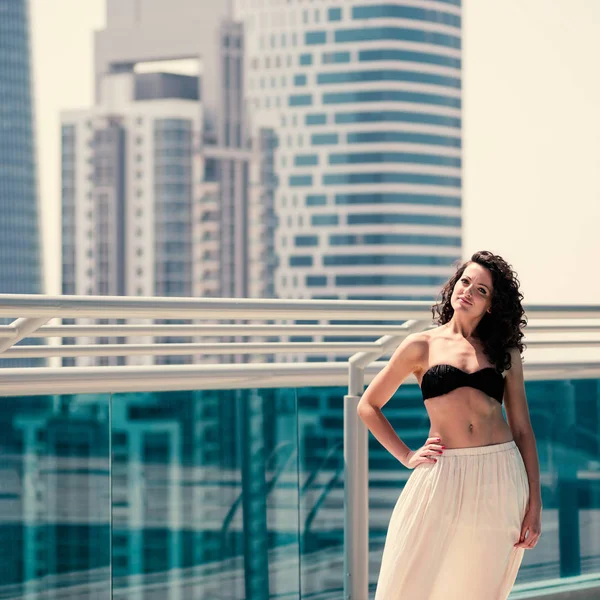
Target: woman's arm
point(517, 413)
point(408, 357)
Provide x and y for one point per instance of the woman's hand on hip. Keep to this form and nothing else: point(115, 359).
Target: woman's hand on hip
point(427, 453)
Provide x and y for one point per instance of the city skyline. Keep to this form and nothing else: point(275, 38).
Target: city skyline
point(557, 58)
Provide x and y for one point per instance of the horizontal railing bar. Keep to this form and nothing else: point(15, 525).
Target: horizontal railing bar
point(182, 349)
point(550, 328)
point(562, 343)
point(120, 307)
point(84, 380)
point(185, 349)
point(246, 330)
point(208, 330)
point(38, 305)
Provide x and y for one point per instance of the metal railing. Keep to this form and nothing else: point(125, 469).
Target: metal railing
point(568, 327)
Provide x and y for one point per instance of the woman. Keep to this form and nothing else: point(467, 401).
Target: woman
point(473, 503)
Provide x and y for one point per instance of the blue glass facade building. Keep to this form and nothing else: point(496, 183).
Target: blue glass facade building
point(20, 270)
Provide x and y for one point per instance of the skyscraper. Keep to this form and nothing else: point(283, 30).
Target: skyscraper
point(20, 270)
point(157, 181)
point(365, 99)
point(204, 33)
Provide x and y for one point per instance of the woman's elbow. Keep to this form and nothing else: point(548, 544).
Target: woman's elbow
point(364, 409)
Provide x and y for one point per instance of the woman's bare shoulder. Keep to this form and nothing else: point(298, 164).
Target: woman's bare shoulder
point(429, 335)
point(414, 349)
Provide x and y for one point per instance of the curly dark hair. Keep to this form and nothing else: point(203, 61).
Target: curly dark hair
point(500, 330)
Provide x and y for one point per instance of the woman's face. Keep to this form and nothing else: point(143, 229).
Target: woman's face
point(473, 291)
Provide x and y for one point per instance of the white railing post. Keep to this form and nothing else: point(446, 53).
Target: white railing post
point(356, 494)
point(356, 472)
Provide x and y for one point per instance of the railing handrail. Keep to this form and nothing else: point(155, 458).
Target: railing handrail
point(34, 311)
point(31, 381)
point(194, 330)
point(120, 307)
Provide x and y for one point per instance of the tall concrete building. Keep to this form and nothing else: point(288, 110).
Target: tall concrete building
point(129, 178)
point(162, 185)
point(365, 100)
point(163, 145)
point(20, 269)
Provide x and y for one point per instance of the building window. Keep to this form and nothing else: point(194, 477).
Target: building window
point(317, 220)
point(318, 139)
point(315, 37)
point(306, 240)
point(315, 119)
point(316, 280)
point(300, 100)
point(335, 14)
point(301, 261)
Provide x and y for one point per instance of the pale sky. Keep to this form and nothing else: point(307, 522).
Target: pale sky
point(531, 133)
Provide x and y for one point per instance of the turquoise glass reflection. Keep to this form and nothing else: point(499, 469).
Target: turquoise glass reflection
point(205, 495)
point(237, 494)
point(55, 497)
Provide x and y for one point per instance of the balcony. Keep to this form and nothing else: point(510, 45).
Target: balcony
point(251, 476)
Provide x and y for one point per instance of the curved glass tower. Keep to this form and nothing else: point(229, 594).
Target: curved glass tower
point(20, 271)
point(365, 99)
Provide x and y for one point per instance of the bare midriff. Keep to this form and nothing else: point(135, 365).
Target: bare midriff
point(467, 417)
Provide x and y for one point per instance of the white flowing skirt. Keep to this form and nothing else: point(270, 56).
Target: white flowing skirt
point(451, 535)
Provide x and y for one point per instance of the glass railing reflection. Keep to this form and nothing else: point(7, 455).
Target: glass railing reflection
point(237, 494)
point(54, 496)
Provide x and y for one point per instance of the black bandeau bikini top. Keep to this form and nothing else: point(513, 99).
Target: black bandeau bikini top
point(442, 379)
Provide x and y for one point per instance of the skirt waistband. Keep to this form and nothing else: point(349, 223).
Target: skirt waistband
point(489, 449)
